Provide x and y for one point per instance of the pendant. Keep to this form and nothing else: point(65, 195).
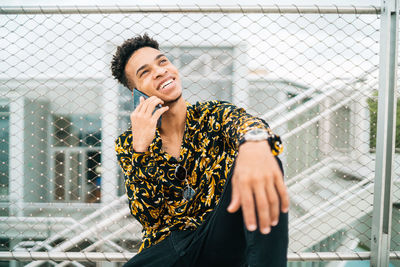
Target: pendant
point(188, 193)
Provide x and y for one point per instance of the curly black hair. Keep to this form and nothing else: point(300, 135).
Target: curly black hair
point(125, 51)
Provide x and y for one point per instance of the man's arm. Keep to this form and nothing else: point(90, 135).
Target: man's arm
point(257, 182)
point(258, 187)
point(143, 190)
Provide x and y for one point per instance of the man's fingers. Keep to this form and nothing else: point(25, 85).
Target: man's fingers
point(145, 104)
point(264, 220)
point(273, 201)
point(283, 194)
point(248, 207)
point(151, 103)
point(140, 105)
point(159, 112)
point(235, 197)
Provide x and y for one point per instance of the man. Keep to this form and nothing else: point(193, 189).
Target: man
point(205, 185)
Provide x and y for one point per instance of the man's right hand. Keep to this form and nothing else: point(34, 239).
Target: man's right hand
point(144, 122)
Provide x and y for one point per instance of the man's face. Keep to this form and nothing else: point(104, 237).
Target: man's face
point(152, 73)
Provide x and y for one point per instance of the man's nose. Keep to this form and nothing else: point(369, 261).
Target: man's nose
point(159, 71)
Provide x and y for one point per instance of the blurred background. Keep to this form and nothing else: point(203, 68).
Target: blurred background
point(310, 72)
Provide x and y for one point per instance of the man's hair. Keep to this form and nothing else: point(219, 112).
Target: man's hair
point(125, 51)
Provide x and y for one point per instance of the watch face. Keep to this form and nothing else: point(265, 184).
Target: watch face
point(256, 134)
point(258, 131)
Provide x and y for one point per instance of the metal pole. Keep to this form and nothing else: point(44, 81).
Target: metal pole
point(382, 211)
point(277, 9)
point(124, 257)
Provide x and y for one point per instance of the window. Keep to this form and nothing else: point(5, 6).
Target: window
point(76, 158)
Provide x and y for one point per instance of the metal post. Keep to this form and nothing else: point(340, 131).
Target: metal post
point(382, 212)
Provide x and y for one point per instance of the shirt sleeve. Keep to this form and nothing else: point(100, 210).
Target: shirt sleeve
point(142, 188)
point(236, 122)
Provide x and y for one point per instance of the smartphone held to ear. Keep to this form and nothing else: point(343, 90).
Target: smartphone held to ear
point(136, 101)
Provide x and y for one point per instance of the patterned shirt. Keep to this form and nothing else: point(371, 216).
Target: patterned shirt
point(209, 147)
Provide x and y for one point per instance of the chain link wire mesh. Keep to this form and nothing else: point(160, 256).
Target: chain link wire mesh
point(312, 76)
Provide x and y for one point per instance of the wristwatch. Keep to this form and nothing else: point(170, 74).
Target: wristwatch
point(274, 140)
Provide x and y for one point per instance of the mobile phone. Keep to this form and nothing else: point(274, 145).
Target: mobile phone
point(136, 101)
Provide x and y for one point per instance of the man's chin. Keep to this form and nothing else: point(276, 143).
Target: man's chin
point(167, 103)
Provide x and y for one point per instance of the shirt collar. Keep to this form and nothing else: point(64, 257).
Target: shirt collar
point(191, 124)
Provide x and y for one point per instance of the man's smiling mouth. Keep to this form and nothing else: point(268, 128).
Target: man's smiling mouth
point(165, 84)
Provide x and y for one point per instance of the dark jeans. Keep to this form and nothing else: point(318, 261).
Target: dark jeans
point(222, 240)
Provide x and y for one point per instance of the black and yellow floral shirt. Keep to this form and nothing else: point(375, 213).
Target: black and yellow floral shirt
point(209, 147)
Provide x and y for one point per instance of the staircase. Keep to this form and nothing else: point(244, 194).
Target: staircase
point(331, 199)
point(93, 231)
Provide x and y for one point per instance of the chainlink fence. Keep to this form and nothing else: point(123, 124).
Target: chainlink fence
point(312, 73)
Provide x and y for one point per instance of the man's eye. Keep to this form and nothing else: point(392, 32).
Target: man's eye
point(163, 60)
point(143, 72)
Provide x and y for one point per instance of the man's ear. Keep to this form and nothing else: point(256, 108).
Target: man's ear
point(129, 82)
point(131, 85)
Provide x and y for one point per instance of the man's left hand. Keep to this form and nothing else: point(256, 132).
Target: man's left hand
point(258, 187)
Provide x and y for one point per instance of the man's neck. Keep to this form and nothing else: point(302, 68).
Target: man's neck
point(173, 121)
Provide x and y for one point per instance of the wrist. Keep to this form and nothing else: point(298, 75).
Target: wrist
point(254, 146)
point(258, 135)
point(245, 144)
point(139, 148)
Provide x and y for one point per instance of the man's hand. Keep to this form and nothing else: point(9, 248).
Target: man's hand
point(144, 122)
point(258, 187)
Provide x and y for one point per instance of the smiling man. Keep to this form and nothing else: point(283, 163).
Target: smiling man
point(206, 186)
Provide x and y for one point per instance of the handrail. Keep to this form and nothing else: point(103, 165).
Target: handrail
point(93, 246)
point(81, 222)
point(309, 92)
point(114, 234)
point(92, 231)
point(241, 9)
point(321, 115)
point(317, 166)
point(18, 219)
point(81, 225)
point(87, 233)
point(123, 257)
point(323, 208)
point(328, 211)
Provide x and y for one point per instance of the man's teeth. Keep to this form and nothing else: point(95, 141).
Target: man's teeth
point(166, 83)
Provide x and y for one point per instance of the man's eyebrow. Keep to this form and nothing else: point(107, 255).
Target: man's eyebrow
point(145, 65)
point(160, 55)
point(139, 69)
